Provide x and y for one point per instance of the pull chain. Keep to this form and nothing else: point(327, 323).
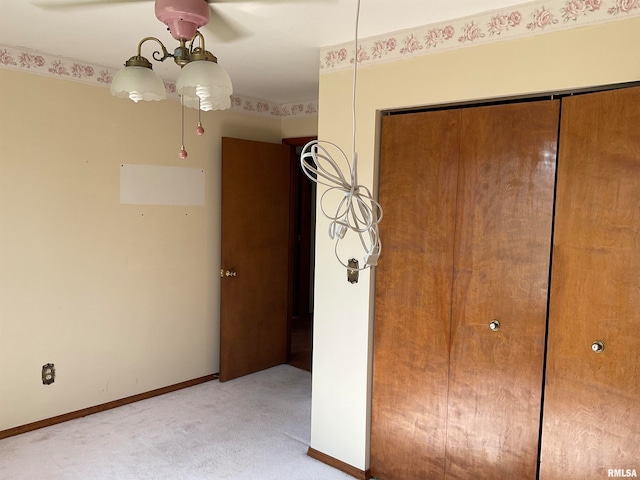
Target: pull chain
point(182, 153)
point(199, 128)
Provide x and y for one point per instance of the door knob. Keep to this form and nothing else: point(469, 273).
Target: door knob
point(597, 346)
point(230, 273)
point(494, 325)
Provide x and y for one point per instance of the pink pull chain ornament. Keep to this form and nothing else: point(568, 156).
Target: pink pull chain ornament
point(182, 153)
point(199, 128)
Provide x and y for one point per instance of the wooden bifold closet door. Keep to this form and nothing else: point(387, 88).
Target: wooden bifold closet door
point(468, 198)
point(470, 211)
point(413, 300)
point(504, 220)
point(591, 419)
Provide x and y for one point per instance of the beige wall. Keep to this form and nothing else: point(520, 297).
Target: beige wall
point(343, 319)
point(299, 127)
point(122, 299)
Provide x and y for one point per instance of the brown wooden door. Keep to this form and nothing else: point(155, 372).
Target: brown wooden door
point(506, 180)
point(255, 246)
point(468, 201)
point(591, 419)
point(418, 170)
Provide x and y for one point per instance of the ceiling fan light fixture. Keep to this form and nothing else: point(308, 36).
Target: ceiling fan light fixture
point(138, 83)
point(201, 84)
point(204, 84)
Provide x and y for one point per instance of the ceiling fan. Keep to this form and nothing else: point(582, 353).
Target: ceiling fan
point(202, 83)
point(182, 17)
point(197, 12)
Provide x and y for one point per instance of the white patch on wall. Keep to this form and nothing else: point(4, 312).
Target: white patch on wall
point(155, 185)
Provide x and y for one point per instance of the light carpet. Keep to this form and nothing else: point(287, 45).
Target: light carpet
point(254, 427)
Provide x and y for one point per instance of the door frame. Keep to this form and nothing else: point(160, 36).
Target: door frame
point(294, 211)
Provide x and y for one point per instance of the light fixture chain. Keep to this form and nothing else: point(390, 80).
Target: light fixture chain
point(183, 153)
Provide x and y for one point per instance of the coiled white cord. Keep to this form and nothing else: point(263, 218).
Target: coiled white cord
point(357, 211)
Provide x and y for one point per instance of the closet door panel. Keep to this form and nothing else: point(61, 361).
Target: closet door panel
point(591, 419)
point(418, 169)
point(501, 269)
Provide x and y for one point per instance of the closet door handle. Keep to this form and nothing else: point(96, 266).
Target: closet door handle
point(597, 346)
point(494, 325)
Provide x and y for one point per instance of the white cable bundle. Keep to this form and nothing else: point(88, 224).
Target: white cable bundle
point(358, 211)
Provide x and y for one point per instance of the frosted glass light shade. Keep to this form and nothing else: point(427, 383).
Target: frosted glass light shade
point(207, 81)
point(138, 83)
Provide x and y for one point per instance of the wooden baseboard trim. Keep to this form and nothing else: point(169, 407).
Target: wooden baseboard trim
point(104, 406)
point(339, 464)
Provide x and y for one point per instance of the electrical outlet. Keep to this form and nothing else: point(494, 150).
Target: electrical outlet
point(352, 272)
point(48, 374)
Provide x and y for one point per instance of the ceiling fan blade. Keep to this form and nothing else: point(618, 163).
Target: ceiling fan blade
point(56, 5)
point(266, 1)
point(223, 28)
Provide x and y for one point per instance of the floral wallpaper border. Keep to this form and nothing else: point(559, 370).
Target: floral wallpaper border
point(523, 20)
point(16, 58)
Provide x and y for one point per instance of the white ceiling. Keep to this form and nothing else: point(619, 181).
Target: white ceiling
point(276, 59)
